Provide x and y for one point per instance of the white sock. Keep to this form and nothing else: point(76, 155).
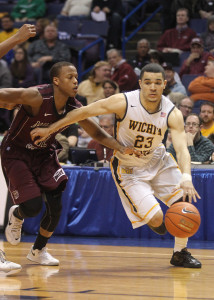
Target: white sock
point(180, 243)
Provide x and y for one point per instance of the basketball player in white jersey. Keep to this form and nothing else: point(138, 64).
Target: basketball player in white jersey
point(142, 117)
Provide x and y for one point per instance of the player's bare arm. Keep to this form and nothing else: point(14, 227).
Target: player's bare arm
point(100, 135)
point(176, 125)
point(30, 98)
point(114, 104)
point(23, 34)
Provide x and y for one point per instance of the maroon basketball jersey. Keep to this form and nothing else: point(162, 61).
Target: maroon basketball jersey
point(19, 132)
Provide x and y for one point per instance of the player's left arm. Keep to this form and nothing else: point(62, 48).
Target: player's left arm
point(100, 135)
point(179, 140)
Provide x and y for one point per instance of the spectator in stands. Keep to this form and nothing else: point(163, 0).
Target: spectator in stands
point(8, 30)
point(113, 11)
point(200, 147)
point(142, 57)
point(177, 39)
point(122, 72)
point(64, 153)
point(21, 69)
point(208, 36)
point(176, 98)
point(205, 8)
point(5, 75)
point(71, 133)
point(40, 28)
point(197, 60)
point(207, 117)
point(109, 88)
point(172, 84)
point(47, 51)
point(92, 88)
point(201, 88)
point(28, 10)
point(211, 138)
point(83, 138)
point(185, 106)
point(156, 57)
point(76, 8)
point(103, 153)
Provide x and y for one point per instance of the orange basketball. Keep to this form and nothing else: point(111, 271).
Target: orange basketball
point(182, 219)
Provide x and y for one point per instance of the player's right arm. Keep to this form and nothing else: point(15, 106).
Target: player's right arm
point(23, 34)
point(11, 97)
point(115, 104)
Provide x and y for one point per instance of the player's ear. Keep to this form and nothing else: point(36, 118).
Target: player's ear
point(56, 81)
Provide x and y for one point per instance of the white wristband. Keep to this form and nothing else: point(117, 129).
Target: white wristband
point(186, 177)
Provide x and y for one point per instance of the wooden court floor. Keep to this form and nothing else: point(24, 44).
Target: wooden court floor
point(107, 272)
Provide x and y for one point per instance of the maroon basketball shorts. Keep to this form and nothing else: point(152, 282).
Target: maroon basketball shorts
point(31, 173)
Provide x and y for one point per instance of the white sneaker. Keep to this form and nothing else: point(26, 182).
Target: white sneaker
point(8, 267)
point(14, 228)
point(42, 257)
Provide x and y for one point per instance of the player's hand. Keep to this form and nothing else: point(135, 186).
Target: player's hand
point(25, 32)
point(39, 134)
point(189, 191)
point(129, 150)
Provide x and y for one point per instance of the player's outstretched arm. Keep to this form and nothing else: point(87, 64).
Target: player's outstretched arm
point(100, 135)
point(179, 140)
point(114, 104)
point(23, 34)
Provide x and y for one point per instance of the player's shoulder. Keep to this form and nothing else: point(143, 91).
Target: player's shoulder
point(175, 118)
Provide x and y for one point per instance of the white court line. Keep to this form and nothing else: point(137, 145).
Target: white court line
point(115, 252)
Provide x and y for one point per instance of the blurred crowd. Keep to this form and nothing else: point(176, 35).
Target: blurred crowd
point(186, 55)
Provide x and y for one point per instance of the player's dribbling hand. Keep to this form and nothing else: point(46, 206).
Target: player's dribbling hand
point(189, 191)
point(39, 134)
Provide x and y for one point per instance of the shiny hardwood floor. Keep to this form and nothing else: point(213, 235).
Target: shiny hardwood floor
point(101, 272)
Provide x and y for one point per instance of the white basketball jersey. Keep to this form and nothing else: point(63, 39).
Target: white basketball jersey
point(142, 130)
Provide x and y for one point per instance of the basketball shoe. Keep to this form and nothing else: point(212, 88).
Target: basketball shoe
point(184, 259)
point(14, 227)
point(8, 267)
point(42, 257)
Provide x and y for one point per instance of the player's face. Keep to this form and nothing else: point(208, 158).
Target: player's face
point(67, 81)
point(152, 86)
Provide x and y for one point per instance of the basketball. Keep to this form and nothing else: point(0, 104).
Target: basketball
point(182, 219)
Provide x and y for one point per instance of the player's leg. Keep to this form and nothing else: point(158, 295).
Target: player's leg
point(17, 214)
point(165, 184)
point(50, 219)
point(23, 188)
point(136, 195)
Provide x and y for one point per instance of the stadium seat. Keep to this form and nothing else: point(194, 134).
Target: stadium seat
point(198, 25)
point(186, 79)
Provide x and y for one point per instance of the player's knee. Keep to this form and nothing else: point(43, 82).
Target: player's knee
point(31, 208)
point(157, 219)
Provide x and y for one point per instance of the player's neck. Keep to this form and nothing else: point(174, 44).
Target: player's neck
point(151, 106)
point(60, 100)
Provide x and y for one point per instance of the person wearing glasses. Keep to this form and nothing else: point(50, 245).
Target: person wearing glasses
point(200, 148)
point(185, 106)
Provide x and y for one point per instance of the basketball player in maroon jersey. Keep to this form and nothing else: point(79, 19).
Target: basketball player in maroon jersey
point(32, 171)
point(24, 33)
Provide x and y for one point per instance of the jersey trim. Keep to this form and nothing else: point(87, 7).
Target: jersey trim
point(168, 116)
